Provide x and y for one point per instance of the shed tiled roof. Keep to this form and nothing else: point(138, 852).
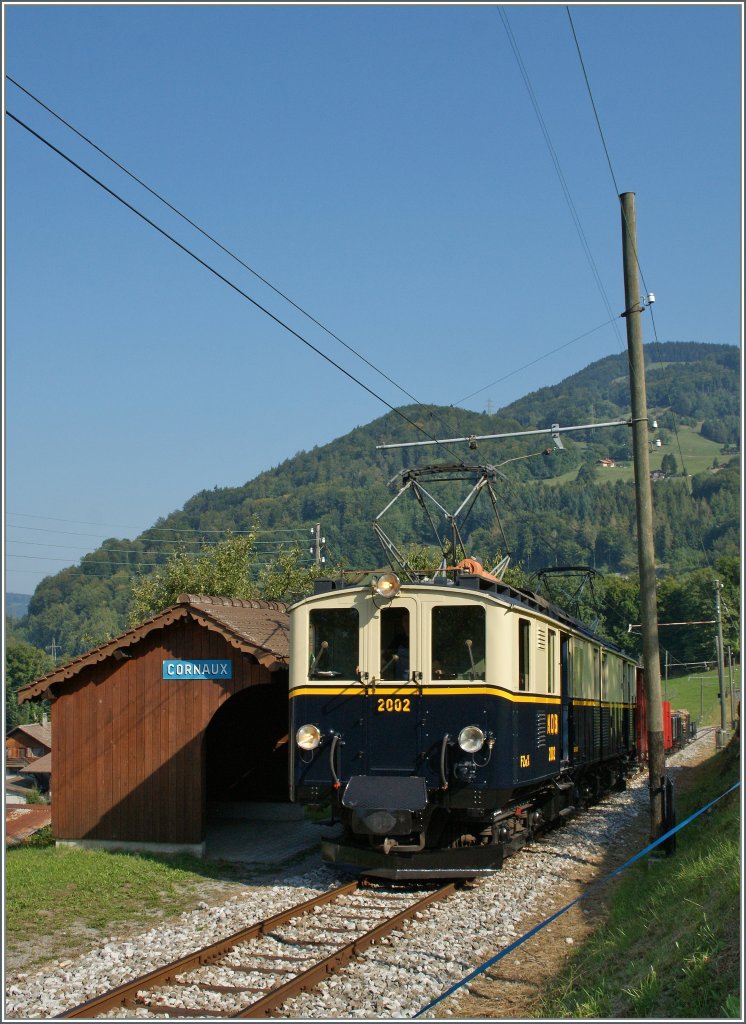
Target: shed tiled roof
point(264, 624)
point(259, 628)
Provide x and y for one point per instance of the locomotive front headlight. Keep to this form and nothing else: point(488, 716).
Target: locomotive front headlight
point(471, 739)
point(387, 585)
point(308, 737)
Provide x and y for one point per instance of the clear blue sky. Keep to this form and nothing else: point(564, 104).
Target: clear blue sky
point(383, 166)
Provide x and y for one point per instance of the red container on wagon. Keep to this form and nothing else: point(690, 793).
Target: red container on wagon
point(641, 718)
point(667, 729)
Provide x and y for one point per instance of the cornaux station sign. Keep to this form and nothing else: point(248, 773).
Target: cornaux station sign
point(183, 669)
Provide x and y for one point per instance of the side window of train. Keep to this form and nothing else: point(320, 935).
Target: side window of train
point(551, 661)
point(524, 654)
point(333, 646)
point(395, 657)
point(605, 694)
point(458, 642)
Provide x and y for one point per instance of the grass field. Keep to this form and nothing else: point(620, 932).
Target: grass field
point(688, 446)
point(670, 948)
point(699, 694)
point(73, 895)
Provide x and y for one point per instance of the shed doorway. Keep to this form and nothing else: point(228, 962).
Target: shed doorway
point(246, 749)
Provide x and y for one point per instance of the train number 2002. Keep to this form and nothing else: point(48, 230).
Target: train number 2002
point(394, 704)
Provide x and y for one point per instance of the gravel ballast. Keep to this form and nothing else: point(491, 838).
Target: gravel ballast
point(401, 974)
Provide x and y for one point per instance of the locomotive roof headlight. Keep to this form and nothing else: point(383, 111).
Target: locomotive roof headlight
point(471, 739)
point(308, 737)
point(387, 585)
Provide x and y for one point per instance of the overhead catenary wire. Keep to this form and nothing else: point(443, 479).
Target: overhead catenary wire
point(280, 293)
point(221, 277)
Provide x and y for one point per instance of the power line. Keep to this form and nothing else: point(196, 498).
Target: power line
point(605, 147)
point(109, 575)
point(106, 561)
point(533, 361)
point(212, 239)
point(560, 174)
point(260, 546)
point(165, 540)
point(593, 102)
point(219, 276)
point(156, 540)
point(120, 526)
point(98, 561)
point(637, 258)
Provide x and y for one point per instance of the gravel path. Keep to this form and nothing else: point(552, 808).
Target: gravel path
point(408, 969)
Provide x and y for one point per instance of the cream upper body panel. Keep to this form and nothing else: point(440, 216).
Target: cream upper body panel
point(520, 650)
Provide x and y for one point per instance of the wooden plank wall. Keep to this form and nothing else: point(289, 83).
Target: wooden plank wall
point(128, 754)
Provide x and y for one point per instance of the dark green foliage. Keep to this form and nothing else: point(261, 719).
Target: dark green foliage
point(724, 430)
point(225, 568)
point(589, 519)
point(23, 664)
point(669, 465)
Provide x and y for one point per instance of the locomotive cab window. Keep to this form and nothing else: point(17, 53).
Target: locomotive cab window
point(333, 644)
point(458, 642)
point(394, 643)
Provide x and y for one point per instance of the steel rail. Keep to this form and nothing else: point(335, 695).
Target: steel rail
point(308, 979)
point(122, 995)
point(127, 995)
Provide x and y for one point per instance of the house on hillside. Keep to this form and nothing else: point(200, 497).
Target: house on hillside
point(27, 743)
point(607, 463)
point(39, 772)
point(28, 761)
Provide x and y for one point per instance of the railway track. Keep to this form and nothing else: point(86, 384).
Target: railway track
point(253, 972)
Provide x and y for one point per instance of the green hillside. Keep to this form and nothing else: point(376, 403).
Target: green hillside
point(557, 507)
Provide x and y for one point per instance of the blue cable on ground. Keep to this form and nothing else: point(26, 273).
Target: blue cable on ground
point(602, 881)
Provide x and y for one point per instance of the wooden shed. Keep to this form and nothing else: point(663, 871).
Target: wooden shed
point(187, 708)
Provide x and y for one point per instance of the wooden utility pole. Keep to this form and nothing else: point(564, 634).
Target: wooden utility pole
point(721, 683)
point(318, 541)
point(644, 505)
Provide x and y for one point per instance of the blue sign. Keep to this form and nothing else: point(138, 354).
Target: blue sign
point(217, 669)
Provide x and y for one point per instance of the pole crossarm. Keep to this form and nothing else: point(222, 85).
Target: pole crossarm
point(702, 622)
point(553, 430)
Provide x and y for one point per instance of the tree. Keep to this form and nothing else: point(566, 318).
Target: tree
point(223, 569)
point(669, 465)
point(286, 578)
point(23, 664)
point(226, 569)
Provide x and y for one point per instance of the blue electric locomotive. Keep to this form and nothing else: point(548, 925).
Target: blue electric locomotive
point(448, 718)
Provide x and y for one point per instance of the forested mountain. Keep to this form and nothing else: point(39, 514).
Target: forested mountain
point(557, 507)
